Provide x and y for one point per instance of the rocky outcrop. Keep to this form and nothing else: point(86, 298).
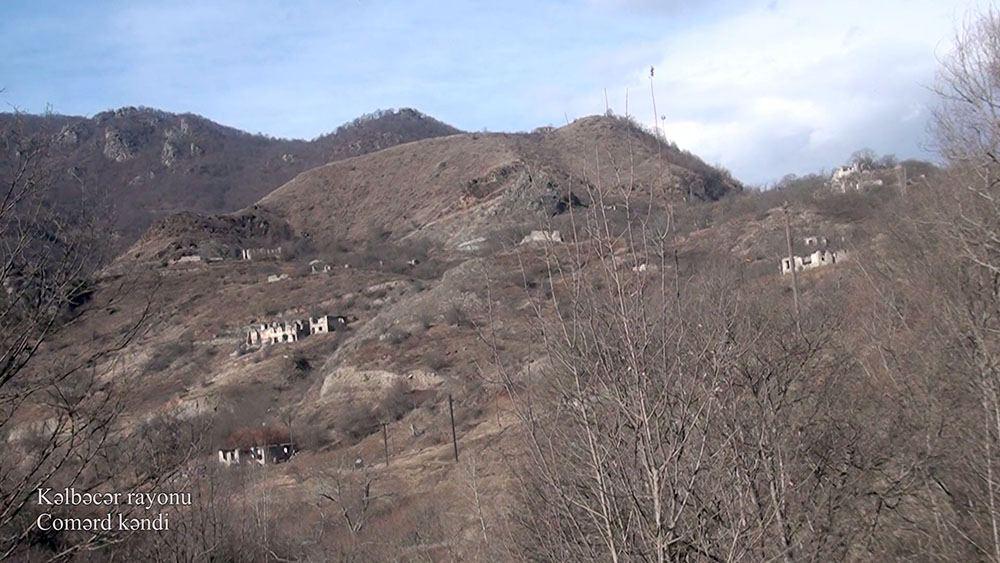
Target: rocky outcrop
point(117, 146)
point(169, 154)
point(68, 136)
point(542, 236)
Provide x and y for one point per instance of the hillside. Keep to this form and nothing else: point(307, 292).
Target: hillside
point(454, 188)
point(422, 257)
point(450, 190)
point(415, 336)
point(147, 163)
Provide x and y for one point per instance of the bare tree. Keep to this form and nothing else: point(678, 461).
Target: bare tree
point(60, 411)
point(667, 416)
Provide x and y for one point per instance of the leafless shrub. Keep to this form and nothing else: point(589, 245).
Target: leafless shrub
point(301, 366)
point(396, 335)
point(455, 315)
point(675, 419)
point(355, 420)
point(50, 261)
point(436, 360)
point(426, 318)
point(167, 354)
point(396, 402)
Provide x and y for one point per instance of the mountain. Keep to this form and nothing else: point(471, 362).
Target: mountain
point(463, 326)
point(453, 189)
point(151, 163)
point(419, 248)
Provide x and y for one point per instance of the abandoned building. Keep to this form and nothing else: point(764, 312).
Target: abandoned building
point(188, 259)
point(319, 267)
point(855, 177)
point(260, 253)
point(261, 455)
point(276, 332)
point(815, 260)
point(542, 236)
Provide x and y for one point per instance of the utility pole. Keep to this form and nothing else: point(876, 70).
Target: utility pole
point(385, 441)
point(652, 95)
point(677, 279)
point(791, 263)
point(454, 437)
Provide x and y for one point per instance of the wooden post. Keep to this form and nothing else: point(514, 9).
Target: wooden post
point(496, 403)
point(385, 442)
point(791, 263)
point(677, 279)
point(652, 95)
point(454, 437)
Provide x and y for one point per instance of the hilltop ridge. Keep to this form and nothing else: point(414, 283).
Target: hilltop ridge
point(459, 187)
point(148, 163)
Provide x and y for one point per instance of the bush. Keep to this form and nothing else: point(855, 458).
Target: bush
point(455, 315)
point(397, 401)
point(426, 319)
point(164, 356)
point(436, 361)
point(313, 435)
point(396, 335)
point(355, 421)
point(301, 364)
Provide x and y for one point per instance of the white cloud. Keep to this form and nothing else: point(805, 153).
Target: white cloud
point(797, 86)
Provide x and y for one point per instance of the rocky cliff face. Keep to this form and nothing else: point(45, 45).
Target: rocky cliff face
point(149, 163)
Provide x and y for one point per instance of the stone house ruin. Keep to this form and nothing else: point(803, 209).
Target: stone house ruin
point(261, 455)
point(855, 177)
point(319, 267)
point(816, 259)
point(325, 323)
point(276, 332)
point(188, 259)
point(259, 253)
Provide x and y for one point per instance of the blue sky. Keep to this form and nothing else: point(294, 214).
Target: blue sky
point(763, 87)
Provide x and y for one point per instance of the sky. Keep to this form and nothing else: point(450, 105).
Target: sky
point(762, 87)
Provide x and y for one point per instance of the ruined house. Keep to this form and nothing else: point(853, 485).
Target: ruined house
point(819, 257)
point(325, 323)
point(855, 177)
point(261, 455)
point(188, 259)
point(260, 253)
point(276, 332)
point(319, 267)
point(814, 260)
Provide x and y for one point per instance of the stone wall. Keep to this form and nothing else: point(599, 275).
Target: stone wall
point(260, 253)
